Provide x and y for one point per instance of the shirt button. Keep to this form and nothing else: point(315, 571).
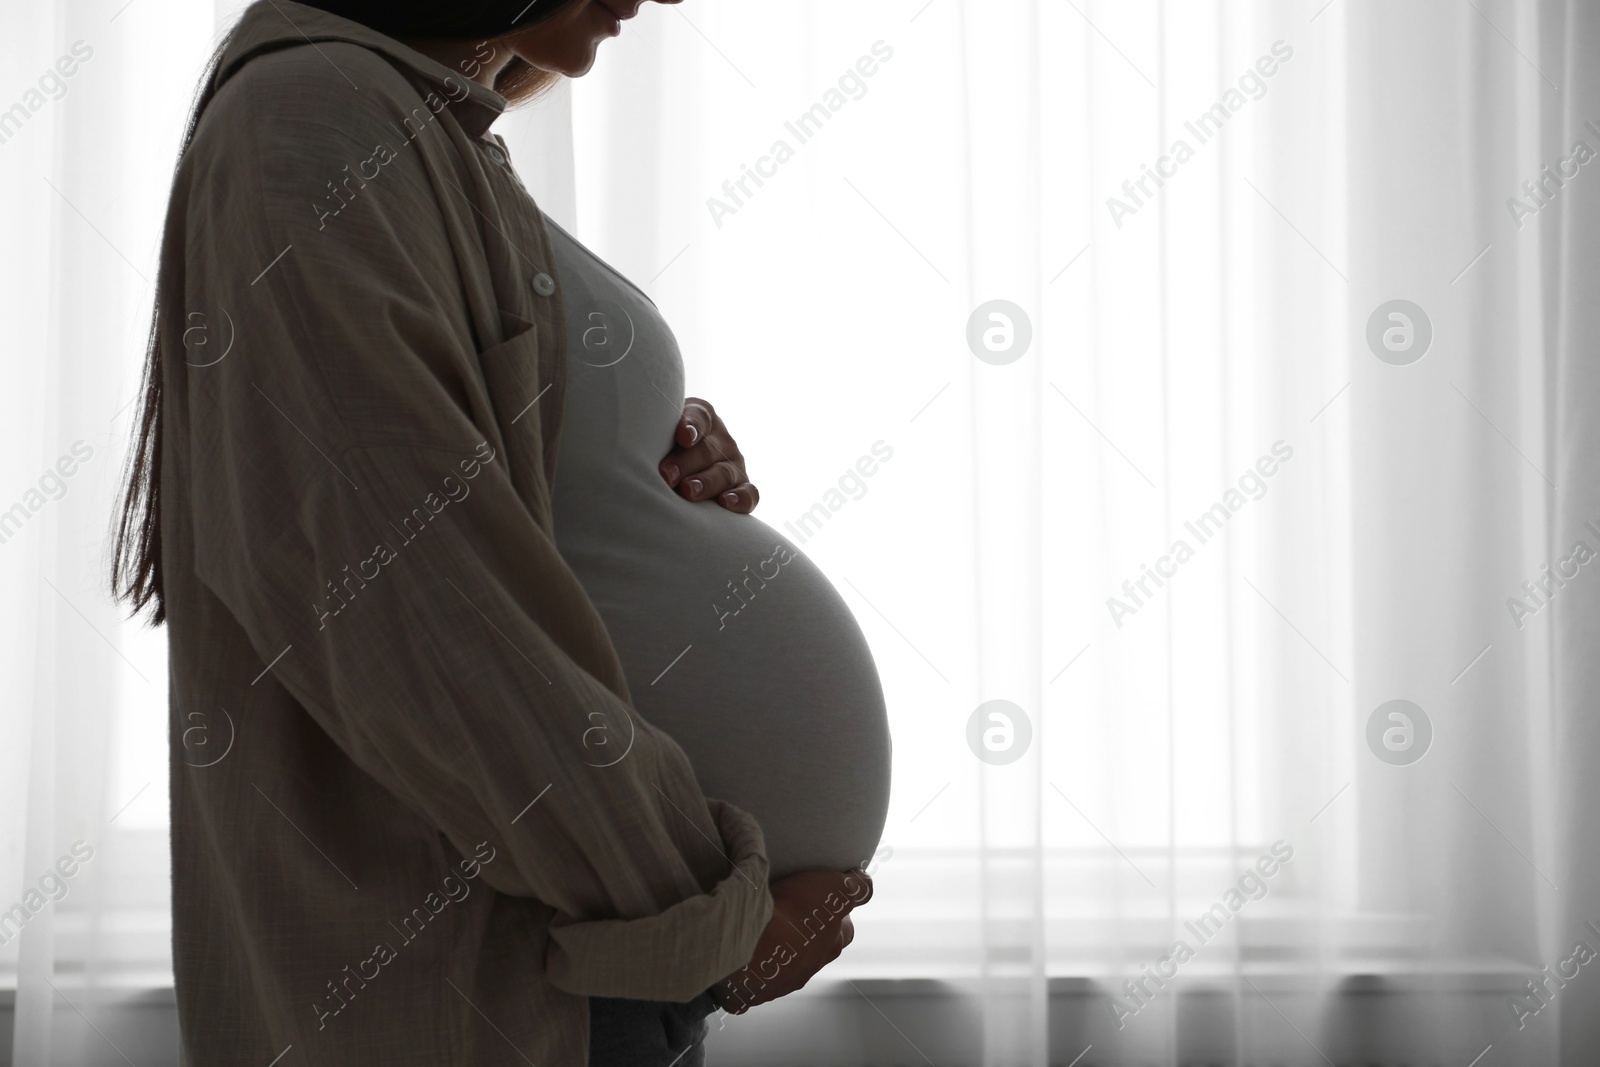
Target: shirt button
point(496, 155)
point(543, 284)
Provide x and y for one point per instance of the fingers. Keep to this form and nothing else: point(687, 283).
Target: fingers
point(711, 448)
point(681, 464)
point(833, 948)
point(714, 480)
point(703, 483)
point(707, 464)
point(805, 888)
point(857, 886)
point(741, 498)
point(696, 423)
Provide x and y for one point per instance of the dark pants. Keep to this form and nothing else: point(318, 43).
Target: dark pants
point(648, 1033)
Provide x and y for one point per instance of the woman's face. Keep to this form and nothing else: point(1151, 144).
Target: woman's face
point(567, 41)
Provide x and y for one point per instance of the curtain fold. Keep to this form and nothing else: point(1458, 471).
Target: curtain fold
point(1000, 277)
point(1570, 35)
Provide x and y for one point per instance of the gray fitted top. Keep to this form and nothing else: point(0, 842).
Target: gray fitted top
point(733, 643)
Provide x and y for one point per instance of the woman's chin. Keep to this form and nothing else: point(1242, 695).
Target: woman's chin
point(574, 63)
point(582, 66)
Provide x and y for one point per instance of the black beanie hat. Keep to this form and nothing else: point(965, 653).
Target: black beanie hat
point(450, 20)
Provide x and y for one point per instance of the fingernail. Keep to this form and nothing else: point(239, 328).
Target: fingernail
point(694, 433)
point(670, 471)
point(730, 499)
point(696, 486)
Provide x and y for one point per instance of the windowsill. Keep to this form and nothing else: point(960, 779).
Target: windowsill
point(150, 989)
point(1347, 976)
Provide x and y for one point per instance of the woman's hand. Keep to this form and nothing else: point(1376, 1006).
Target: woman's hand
point(707, 463)
point(810, 926)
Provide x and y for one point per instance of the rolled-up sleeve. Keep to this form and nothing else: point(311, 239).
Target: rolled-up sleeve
point(371, 540)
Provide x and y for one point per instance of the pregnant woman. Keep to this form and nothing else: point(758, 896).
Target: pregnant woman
point(500, 732)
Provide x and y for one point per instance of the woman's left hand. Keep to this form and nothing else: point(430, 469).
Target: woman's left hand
point(707, 463)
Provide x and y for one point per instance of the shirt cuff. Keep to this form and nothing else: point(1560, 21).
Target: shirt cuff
point(677, 954)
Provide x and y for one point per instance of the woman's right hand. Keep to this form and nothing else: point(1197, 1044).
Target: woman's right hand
point(810, 926)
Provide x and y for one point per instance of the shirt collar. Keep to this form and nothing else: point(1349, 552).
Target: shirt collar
point(267, 25)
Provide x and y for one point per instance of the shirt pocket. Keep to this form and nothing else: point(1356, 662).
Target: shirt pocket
point(523, 382)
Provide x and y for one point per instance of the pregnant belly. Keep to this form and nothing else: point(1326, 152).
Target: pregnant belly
point(739, 648)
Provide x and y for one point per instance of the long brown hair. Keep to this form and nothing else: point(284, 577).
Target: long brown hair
point(136, 578)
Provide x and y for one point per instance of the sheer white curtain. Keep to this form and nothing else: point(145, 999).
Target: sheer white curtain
point(1197, 369)
point(94, 101)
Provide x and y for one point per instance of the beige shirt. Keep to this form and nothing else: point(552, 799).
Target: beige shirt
point(415, 819)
